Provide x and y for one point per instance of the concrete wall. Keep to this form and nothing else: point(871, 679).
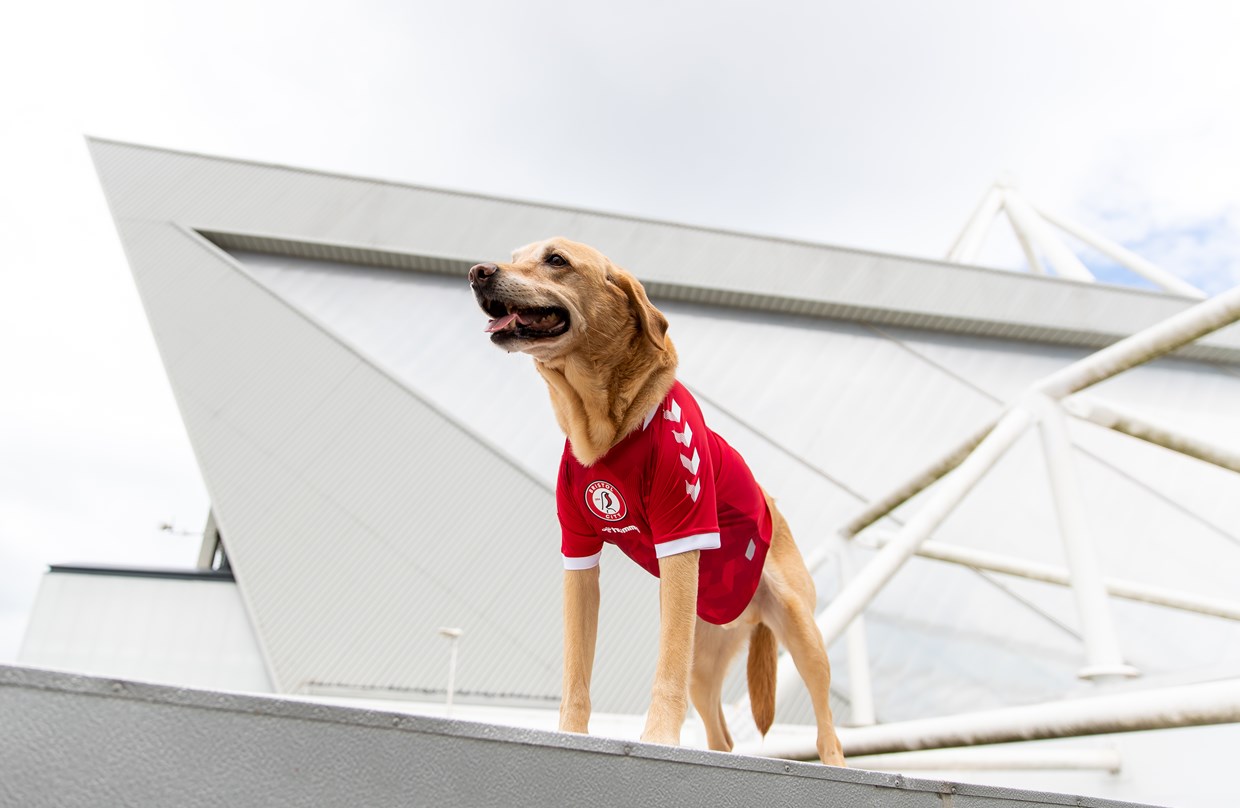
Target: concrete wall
point(68, 740)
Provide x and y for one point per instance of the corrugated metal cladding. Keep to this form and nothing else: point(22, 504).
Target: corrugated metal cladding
point(378, 470)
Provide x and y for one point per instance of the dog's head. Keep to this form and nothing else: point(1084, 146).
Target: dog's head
point(557, 296)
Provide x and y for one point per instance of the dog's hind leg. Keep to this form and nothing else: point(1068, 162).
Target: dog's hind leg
point(788, 608)
point(714, 648)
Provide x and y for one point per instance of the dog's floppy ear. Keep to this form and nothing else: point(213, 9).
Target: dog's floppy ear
point(649, 319)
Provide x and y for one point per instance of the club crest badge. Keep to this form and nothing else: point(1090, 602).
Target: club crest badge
point(605, 501)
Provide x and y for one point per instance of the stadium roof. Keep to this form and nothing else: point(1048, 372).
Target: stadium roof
point(377, 470)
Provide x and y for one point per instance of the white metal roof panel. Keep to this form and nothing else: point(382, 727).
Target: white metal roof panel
point(254, 204)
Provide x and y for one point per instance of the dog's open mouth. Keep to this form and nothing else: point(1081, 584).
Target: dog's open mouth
point(525, 323)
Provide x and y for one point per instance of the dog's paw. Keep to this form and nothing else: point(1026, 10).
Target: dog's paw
point(831, 754)
point(664, 736)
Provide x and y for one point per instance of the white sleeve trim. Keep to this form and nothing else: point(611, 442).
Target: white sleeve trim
point(702, 541)
point(586, 563)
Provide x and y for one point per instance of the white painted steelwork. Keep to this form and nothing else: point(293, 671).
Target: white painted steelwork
point(1047, 573)
point(1039, 238)
point(862, 587)
point(993, 759)
point(1031, 225)
point(973, 235)
point(912, 487)
point(860, 682)
point(852, 600)
point(1129, 423)
point(1124, 256)
point(1103, 659)
point(1150, 343)
point(1160, 708)
point(1102, 655)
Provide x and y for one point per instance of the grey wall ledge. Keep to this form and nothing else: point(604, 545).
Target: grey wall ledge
point(69, 740)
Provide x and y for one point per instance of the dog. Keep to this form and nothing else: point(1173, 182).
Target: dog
point(642, 471)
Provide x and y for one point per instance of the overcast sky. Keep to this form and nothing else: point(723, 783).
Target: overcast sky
point(875, 124)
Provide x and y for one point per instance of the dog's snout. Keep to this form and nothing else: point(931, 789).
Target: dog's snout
point(480, 273)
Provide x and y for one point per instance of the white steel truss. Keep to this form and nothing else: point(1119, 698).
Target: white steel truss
point(954, 474)
point(1035, 228)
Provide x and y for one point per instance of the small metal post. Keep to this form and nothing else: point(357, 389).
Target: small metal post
point(453, 635)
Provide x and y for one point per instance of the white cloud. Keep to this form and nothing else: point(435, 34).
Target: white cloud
point(870, 124)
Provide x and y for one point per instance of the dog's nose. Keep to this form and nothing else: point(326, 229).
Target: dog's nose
point(479, 273)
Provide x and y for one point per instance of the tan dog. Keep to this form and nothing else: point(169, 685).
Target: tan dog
point(603, 350)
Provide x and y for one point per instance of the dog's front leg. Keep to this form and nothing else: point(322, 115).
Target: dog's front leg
point(580, 631)
point(678, 582)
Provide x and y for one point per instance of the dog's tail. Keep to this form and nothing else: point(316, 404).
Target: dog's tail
point(763, 660)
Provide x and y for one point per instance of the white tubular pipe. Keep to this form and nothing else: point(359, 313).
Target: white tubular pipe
point(852, 599)
point(1138, 427)
point(1036, 571)
point(917, 483)
point(1026, 242)
point(1019, 758)
point(1102, 654)
point(860, 683)
point(1133, 711)
point(1025, 221)
point(1125, 257)
point(973, 235)
point(1155, 341)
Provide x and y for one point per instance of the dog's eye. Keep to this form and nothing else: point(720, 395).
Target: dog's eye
point(556, 260)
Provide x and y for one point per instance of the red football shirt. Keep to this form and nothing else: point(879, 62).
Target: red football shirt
point(670, 487)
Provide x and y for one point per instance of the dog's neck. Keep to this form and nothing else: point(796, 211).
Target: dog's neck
point(599, 402)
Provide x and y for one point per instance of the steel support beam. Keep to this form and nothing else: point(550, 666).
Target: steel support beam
point(1125, 257)
point(1047, 573)
point(1137, 426)
point(1102, 655)
point(1157, 340)
point(969, 243)
point(1162, 708)
point(1027, 223)
point(1015, 758)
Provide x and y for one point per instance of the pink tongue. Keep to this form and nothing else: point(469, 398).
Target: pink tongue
point(500, 323)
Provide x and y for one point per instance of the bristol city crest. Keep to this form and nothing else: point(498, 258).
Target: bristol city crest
point(605, 501)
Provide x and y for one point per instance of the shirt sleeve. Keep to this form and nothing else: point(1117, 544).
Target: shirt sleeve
point(580, 546)
point(681, 509)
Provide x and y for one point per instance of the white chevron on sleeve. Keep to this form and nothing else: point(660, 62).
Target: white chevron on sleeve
point(693, 490)
point(691, 465)
point(674, 413)
point(685, 437)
